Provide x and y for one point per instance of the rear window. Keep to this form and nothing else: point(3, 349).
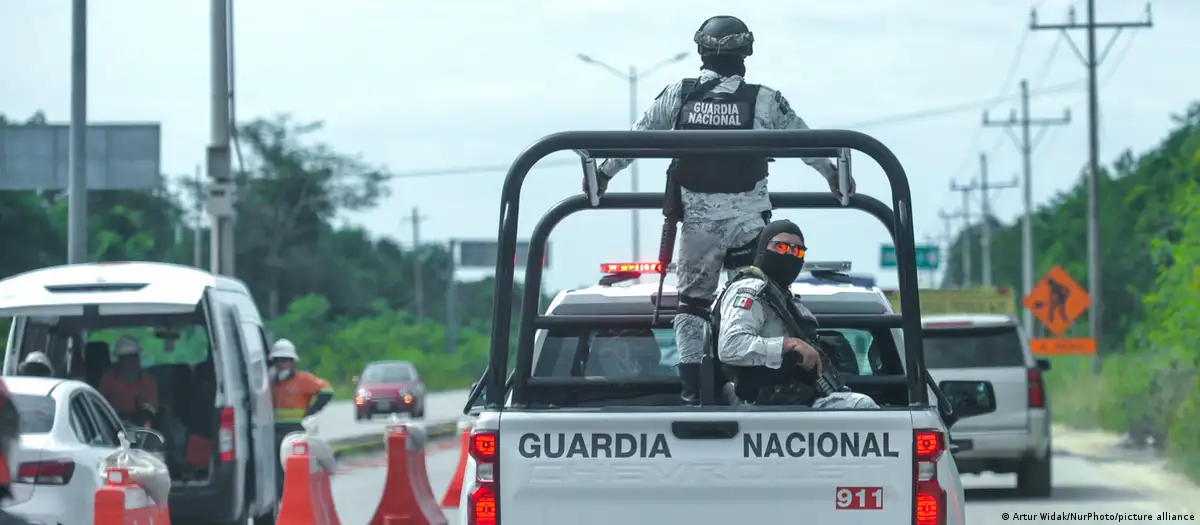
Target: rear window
point(37, 413)
point(653, 353)
point(973, 347)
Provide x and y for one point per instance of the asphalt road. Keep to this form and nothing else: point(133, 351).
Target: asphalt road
point(337, 419)
point(1081, 486)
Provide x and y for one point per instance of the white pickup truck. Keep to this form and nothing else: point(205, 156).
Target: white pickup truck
point(589, 428)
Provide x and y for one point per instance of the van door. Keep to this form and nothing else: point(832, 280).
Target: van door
point(262, 413)
point(231, 393)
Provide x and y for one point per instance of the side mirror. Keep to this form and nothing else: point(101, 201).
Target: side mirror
point(1043, 364)
point(969, 398)
point(145, 439)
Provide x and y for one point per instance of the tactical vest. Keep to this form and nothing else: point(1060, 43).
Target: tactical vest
point(704, 110)
point(790, 384)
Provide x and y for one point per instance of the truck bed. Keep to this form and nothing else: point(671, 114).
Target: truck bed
point(700, 467)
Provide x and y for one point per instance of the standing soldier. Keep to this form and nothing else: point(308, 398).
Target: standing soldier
point(298, 394)
point(724, 197)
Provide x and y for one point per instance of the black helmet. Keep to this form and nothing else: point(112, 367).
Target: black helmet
point(724, 35)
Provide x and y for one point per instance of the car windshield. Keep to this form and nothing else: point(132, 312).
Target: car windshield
point(973, 347)
point(388, 374)
point(37, 413)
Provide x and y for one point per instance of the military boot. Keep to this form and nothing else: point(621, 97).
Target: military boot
point(689, 376)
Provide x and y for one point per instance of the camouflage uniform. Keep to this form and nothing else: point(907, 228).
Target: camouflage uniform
point(752, 335)
point(714, 223)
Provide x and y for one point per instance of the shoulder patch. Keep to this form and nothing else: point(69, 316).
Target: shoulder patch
point(743, 301)
point(784, 107)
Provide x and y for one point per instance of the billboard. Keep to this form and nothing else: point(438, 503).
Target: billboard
point(119, 157)
point(482, 254)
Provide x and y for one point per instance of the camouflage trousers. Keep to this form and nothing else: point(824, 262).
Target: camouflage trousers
point(702, 248)
point(845, 400)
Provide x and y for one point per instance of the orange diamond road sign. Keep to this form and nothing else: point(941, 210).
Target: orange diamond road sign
point(1057, 300)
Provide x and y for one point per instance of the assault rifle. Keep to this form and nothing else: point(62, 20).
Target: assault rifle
point(672, 214)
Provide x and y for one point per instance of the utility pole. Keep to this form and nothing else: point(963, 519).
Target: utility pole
point(1026, 145)
point(1092, 62)
point(966, 231)
point(221, 192)
point(632, 77)
point(948, 235)
point(452, 299)
point(197, 247)
point(77, 190)
point(418, 286)
point(986, 224)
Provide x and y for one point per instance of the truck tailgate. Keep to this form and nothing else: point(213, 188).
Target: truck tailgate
point(699, 467)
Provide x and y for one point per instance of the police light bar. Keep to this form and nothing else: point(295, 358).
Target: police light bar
point(827, 266)
point(636, 267)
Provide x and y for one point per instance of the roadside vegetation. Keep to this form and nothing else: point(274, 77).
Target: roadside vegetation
point(1150, 356)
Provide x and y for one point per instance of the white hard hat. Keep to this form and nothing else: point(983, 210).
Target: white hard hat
point(39, 358)
point(127, 345)
point(284, 349)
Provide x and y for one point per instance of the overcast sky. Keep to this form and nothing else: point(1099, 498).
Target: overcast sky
point(421, 87)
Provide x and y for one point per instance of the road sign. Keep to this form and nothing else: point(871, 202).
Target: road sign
point(119, 157)
point(928, 257)
point(971, 301)
point(1063, 346)
point(1057, 300)
point(482, 254)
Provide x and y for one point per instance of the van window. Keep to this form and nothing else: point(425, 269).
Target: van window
point(256, 347)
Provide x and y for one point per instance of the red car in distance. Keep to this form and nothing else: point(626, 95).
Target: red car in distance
point(389, 387)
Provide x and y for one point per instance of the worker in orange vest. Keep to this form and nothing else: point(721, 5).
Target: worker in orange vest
point(298, 394)
point(127, 387)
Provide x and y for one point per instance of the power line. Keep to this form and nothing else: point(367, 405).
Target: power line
point(886, 121)
point(1092, 63)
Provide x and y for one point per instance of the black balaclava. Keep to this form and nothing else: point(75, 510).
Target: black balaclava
point(725, 65)
point(783, 268)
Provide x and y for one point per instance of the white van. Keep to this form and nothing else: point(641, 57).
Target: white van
point(202, 341)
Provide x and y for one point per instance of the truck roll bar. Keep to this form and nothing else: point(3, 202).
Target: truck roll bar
point(671, 144)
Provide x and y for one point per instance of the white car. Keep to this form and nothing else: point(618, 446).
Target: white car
point(67, 428)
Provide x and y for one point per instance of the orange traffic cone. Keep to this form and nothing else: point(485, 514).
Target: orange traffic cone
point(454, 491)
point(307, 497)
point(121, 502)
point(407, 498)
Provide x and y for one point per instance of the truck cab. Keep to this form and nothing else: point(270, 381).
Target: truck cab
point(587, 426)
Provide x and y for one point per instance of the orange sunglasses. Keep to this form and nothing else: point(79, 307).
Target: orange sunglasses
point(781, 248)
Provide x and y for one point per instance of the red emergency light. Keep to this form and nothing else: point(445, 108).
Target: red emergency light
point(636, 267)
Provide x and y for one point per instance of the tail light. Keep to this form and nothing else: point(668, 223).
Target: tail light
point(1037, 389)
point(484, 508)
point(56, 472)
point(226, 437)
point(929, 499)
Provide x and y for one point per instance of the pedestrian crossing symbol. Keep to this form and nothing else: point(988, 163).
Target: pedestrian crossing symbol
point(1057, 300)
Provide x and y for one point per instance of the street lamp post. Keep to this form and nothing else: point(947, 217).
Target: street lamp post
point(632, 76)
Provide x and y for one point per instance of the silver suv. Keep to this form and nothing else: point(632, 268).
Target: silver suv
point(1015, 438)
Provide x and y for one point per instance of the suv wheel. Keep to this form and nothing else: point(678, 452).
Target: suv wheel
point(1033, 478)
